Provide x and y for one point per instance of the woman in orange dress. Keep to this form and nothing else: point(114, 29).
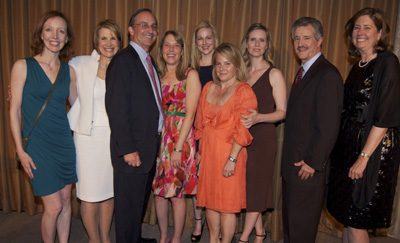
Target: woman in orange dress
point(222, 177)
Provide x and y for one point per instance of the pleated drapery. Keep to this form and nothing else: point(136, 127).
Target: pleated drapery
point(231, 17)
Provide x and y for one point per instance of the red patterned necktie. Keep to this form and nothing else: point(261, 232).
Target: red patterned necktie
point(297, 79)
point(155, 85)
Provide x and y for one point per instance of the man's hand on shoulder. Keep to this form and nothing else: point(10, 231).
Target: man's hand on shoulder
point(133, 159)
point(305, 171)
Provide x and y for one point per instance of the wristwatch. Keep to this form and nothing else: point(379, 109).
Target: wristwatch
point(232, 159)
point(364, 155)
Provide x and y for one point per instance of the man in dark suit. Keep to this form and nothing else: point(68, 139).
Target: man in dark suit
point(312, 125)
point(133, 104)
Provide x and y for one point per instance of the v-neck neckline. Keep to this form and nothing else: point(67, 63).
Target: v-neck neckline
point(262, 75)
point(41, 68)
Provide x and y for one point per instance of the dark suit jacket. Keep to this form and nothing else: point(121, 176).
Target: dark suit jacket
point(132, 111)
point(312, 122)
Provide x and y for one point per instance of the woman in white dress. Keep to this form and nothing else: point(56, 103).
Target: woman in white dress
point(89, 121)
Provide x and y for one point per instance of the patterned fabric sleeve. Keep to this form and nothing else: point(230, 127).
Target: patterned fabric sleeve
point(244, 99)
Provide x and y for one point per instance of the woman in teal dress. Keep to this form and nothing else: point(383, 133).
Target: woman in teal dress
point(49, 159)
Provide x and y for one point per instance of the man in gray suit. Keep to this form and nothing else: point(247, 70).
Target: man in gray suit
point(312, 125)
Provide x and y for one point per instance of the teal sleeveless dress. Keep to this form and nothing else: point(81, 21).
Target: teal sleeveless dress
point(50, 145)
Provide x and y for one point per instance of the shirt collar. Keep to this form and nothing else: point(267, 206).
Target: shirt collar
point(142, 53)
point(310, 62)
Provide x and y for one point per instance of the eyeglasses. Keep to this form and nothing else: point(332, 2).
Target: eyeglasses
point(146, 25)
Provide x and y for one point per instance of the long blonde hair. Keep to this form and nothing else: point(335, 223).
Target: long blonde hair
point(269, 52)
point(196, 54)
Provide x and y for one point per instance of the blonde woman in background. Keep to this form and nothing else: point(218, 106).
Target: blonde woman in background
point(204, 42)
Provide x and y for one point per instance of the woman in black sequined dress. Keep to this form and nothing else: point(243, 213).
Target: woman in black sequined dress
point(364, 163)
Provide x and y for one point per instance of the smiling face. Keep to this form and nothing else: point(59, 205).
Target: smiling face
point(224, 68)
point(143, 36)
point(257, 43)
point(54, 34)
point(365, 34)
point(171, 51)
point(108, 43)
point(305, 44)
point(205, 41)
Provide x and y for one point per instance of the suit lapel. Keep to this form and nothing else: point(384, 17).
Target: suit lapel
point(307, 77)
point(143, 73)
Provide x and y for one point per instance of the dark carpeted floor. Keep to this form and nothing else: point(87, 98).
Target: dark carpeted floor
point(22, 228)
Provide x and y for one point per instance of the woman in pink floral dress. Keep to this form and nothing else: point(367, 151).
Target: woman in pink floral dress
point(176, 166)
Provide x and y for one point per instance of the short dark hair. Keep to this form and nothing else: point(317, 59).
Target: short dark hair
point(110, 25)
point(37, 42)
point(377, 16)
point(318, 30)
point(135, 14)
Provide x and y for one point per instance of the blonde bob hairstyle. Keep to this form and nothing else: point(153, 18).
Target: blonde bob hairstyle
point(269, 52)
point(184, 62)
point(233, 55)
point(110, 25)
point(196, 54)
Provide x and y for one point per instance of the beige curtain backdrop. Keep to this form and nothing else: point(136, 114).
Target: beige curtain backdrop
point(231, 17)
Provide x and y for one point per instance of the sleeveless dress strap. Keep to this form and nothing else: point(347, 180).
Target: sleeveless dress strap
point(187, 72)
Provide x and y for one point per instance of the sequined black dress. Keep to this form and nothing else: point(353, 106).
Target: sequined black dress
point(377, 214)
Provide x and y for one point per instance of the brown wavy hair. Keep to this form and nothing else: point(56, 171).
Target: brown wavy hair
point(184, 62)
point(37, 42)
point(377, 16)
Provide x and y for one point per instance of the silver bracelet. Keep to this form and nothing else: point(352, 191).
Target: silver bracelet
point(178, 150)
point(232, 159)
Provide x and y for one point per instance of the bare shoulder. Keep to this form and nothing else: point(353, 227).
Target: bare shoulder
point(71, 70)
point(19, 70)
point(192, 73)
point(275, 73)
point(193, 76)
point(19, 65)
point(276, 77)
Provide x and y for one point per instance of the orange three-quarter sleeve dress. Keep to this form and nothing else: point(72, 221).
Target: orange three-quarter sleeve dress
point(218, 127)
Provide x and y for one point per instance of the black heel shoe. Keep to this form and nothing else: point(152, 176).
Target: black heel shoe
point(264, 236)
point(197, 238)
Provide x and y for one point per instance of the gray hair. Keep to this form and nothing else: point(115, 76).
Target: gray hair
point(318, 31)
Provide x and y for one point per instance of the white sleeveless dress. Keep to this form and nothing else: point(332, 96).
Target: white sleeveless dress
point(94, 168)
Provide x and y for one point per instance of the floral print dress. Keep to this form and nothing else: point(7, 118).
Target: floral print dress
point(169, 182)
